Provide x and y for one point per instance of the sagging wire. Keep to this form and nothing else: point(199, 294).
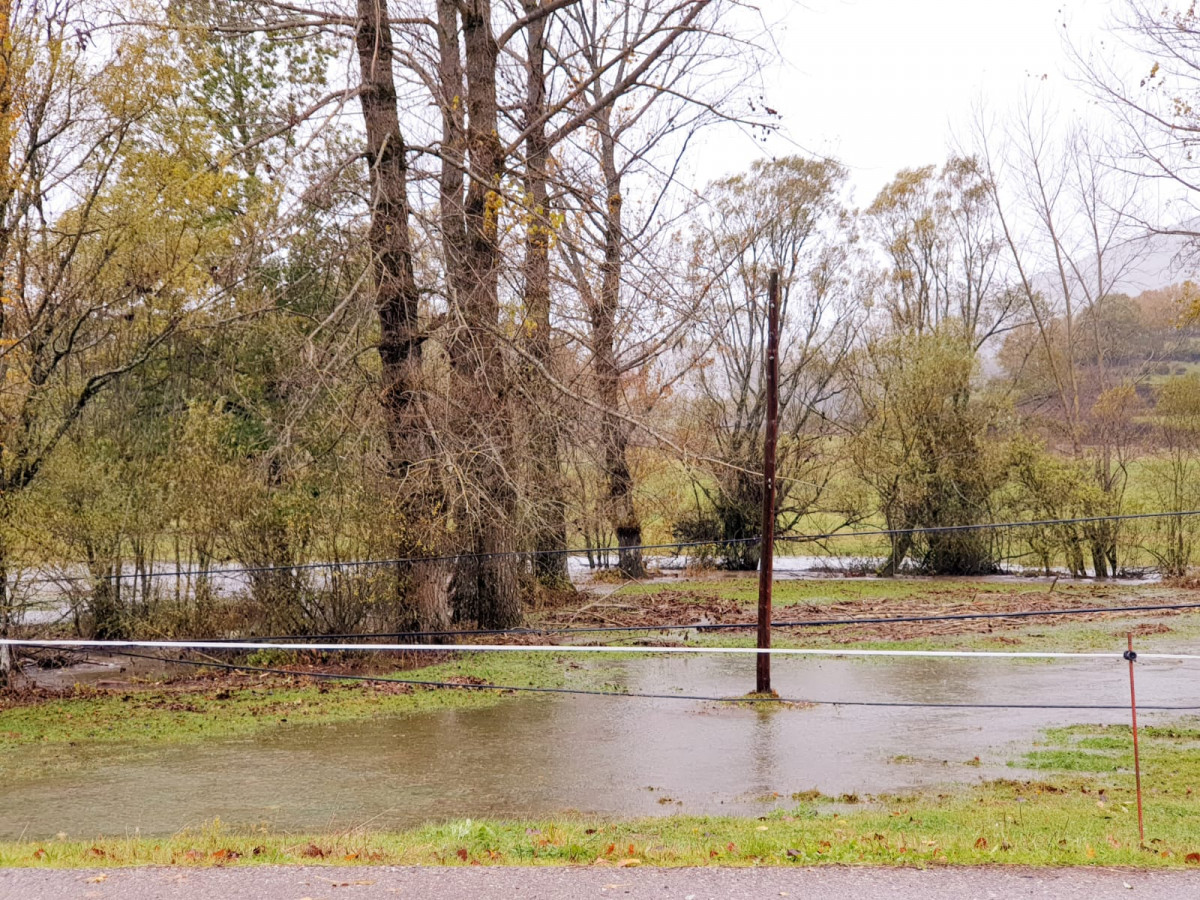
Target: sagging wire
point(722, 626)
point(784, 701)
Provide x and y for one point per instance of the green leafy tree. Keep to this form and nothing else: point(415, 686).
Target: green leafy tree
point(925, 444)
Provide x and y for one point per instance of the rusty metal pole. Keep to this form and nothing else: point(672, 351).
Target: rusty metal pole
point(1137, 761)
point(766, 562)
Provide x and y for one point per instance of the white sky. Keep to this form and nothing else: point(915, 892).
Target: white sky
point(883, 84)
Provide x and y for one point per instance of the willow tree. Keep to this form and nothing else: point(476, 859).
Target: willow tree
point(922, 444)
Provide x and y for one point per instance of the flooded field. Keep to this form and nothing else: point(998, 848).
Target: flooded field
point(550, 755)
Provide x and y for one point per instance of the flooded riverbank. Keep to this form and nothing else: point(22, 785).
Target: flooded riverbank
point(549, 756)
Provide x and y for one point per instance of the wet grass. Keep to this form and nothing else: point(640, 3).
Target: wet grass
point(73, 732)
point(878, 597)
point(1081, 813)
point(89, 727)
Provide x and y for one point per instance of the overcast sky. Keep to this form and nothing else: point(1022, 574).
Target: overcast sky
point(883, 84)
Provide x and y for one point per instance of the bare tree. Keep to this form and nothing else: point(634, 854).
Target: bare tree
point(786, 215)
point(653, 73)
point(1069, 220)
point(1154, 105)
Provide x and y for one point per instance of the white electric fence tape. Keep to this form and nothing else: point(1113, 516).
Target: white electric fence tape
point(578, 648)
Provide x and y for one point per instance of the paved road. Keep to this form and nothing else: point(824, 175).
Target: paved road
point(363, 883)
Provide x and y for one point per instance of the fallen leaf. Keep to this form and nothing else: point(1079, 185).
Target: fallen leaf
point(628, 863)
point(96, 879)
point(1091, 853)
point(981, 843)
point(312, 851)
point(39, 853)
point(1192, 858)
point(612, 848)
point(462, 854)
point(350, 857)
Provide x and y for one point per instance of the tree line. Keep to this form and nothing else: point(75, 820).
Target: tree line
point(357, 279)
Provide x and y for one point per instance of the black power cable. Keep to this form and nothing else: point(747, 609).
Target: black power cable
point(720, 626)
point(795, 701)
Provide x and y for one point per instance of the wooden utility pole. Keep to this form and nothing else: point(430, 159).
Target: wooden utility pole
point(766, 561)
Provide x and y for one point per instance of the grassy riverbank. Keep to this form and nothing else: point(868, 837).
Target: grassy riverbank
point(1079, 810)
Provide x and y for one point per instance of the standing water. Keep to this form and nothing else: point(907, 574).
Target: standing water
point(549, 755)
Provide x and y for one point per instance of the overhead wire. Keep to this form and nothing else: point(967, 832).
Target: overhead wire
point(704, 698)
point(722, 626)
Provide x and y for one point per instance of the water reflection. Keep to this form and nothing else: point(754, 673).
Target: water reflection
point(545, 756)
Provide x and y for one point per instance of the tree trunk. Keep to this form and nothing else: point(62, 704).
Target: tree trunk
point(490, 431)
point(613, 433)
point(397, 302)
point(550, 525)
point(108, 617)
point(900, 548)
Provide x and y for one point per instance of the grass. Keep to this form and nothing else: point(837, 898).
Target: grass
point(890, 597)
point(1079, 811)
point(75, 732)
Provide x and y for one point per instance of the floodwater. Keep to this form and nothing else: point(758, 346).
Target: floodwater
point(552, 755)
point(44, 597)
